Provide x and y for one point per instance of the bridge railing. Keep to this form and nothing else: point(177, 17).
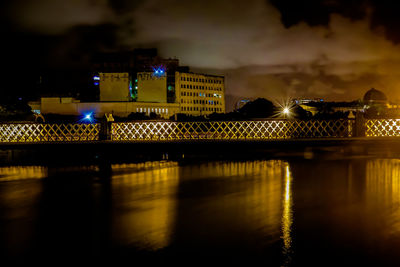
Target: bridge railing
point(218, 130)
point(382, 127)
point(38, 132)
point(228, 130)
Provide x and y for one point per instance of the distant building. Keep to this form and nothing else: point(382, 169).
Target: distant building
point(114, 86)
point(136, 61)
point(301, 101)
point(71, 106)
point(152, 87)
point(241, 103)
point(140, 81)
point(200, 94)
point(374, 97)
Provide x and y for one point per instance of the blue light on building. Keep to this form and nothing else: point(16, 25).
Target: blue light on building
point(158, 71)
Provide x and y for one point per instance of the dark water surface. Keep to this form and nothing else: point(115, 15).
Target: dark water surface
point(267, 212)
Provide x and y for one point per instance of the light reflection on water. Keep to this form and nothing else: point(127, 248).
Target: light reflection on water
point(245, 197)
point(287, 217)
point(14, 173)
point(144, 203)
point(383, 189)
point(272, 211)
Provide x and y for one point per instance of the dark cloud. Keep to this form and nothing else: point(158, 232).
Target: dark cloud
point(57, 16)
point(313, 56)
point(383, 13)
point(318, 12)
point(326, 48)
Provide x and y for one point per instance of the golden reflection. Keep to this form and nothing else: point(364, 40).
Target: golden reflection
point(244, 198)
point(18, 204)
point(16, 173)
point(144, 203)
point(383, 192)
point(251, 199)
point(287, 214)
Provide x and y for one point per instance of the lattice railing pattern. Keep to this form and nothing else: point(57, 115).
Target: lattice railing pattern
point(227, 130)
point(35, 132)
point(382, 127)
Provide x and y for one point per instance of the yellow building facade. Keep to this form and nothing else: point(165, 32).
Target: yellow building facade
point(195, 94)
point(151, 87)
point(68, 106)
point(200, 94)
point(114, 86)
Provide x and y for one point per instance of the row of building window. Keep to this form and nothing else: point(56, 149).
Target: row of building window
point(155, 110)
point(200, 80)
point(200, 101)
point(184, 93)
point(201, 109)
point(189, 86)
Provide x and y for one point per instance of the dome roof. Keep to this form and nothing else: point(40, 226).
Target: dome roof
point(374, 95)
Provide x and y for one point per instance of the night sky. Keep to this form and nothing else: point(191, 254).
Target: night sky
point(332, 49)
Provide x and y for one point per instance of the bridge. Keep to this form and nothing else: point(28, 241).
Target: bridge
point(168, 131)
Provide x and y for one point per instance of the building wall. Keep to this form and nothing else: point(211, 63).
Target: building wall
point(151, 87)
point(200, 94)
point(122, 109)
point(114, 86)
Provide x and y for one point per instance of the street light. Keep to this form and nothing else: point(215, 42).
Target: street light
point(286, 111)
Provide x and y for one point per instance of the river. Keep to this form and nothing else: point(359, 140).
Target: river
point(278, 212)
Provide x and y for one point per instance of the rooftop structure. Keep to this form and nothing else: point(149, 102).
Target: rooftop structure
point(374, 96)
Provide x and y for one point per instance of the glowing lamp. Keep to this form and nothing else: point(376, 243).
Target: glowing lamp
point(88, 117)
point(286, 111)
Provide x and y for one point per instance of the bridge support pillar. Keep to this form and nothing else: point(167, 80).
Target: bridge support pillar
point(105, 127)
point(359, 125)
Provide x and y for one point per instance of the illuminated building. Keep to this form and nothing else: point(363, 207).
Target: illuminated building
point(71, 106)
point(140, 81)
point(152, 86)
point(136, 61)
point(301, 101)
point(113, 86)
point(200, 94)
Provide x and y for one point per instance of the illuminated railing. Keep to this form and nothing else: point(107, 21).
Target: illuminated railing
point(229, 130)
point(220, 130)
point(35, 132)
point(382, 127)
